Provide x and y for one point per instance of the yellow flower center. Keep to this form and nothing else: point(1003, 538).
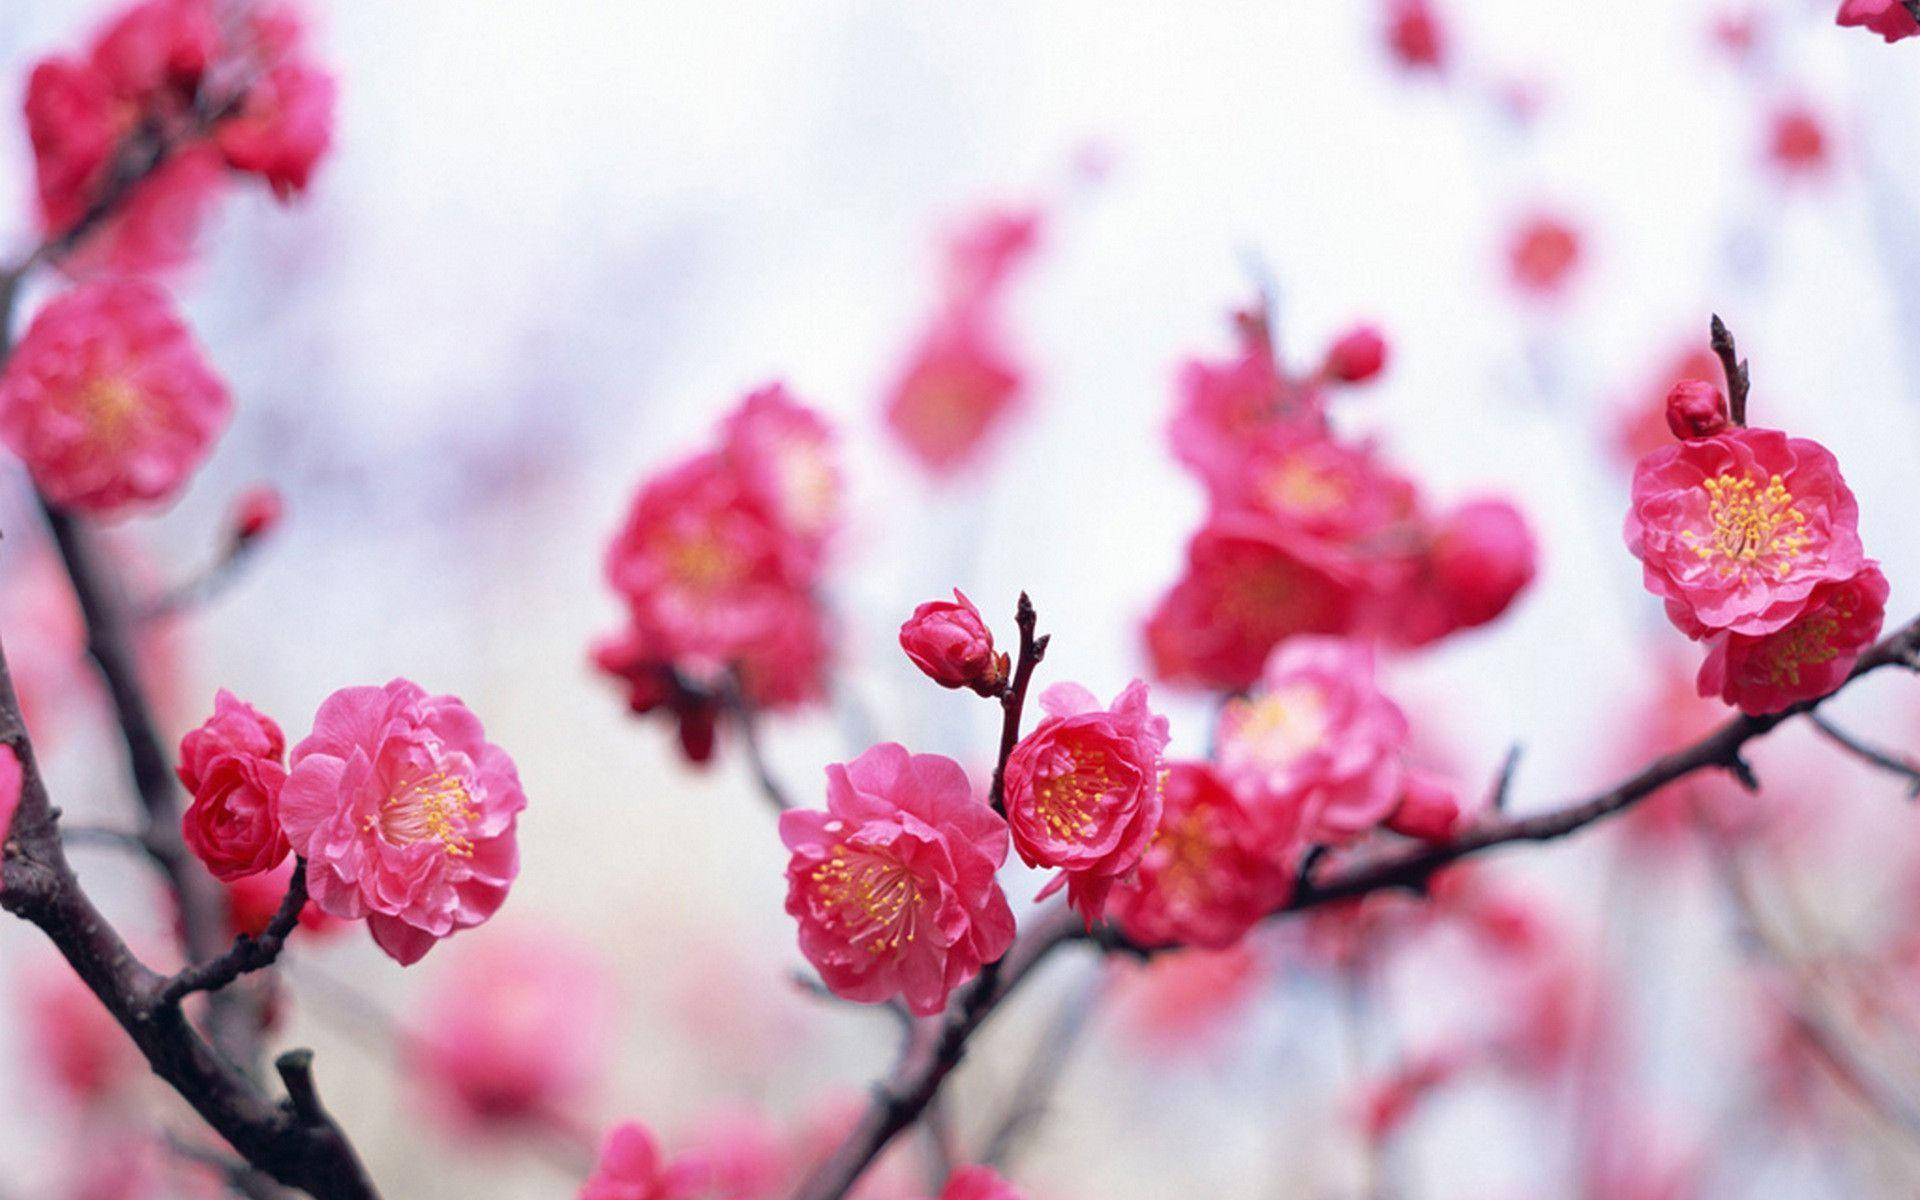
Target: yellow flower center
point(1807, 642)
point(1280, 726)
point(1755, 529)
point(1069, 802)
point(112, 408)
point(879, 901)
point(1296, 486)
point(435, 806)
point(702, 564)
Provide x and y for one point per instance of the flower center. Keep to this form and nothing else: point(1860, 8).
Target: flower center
point(702, 564)
point(1280, 726)
point(1069, 799)
point(1296, 486)
point(436, 806)
point(1754, 528)
point(1808, 642)
point(1190, 851)
point(111, 408)
point(876, 901)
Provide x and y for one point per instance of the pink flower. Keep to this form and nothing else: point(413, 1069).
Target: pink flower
point(11, 777)
point(1696, 409)
point(252, 900)
point(76, 1041)
point(1356, 355)
point(978, 1183)
point(1226, 407)
point(1542, 254)
point(1797, 140)
point(893, 885)
point(108, 400)
point(1476, 562)
point(232, 765)
point(157, 51)
point(1317, 736)
point(405, 814)
point(1809, 657)
point(1334, 493)
point(74, 123)
point(631, 1168)
point(949, 641)
point(1642, 423)
point(1083, 790)
point(516, 1030)
point(985, 252)
point(1415, 35)
point(958, 388)
point(283, 129)
point(1888, 18)
point(784, 453)
point(1212, 870)
point(1735, 531)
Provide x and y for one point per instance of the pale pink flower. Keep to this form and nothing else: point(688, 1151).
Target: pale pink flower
point(1212, 870)
point(405, 814)
point(1317, 733)
point(108, 400)
point(1888, 18)
point(1735, 531)
point(893, 885)
point(1797, 141)
point(1338, 494)
point(1542, 254)
point(1809, 657)
point(76, 1041)
point(516, 1029)
point(784, 452)
point(232, 766)
point(1226, 407)
point(1083, 790)
point(948, 641)
point(1187, 996)
point(631, 1168)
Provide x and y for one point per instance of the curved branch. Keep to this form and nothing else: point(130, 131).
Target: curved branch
point(247, 953)
point(1872, 755)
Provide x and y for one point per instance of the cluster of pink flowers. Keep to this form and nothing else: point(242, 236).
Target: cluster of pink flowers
point(403, 812)
point(1308, 533)
point(219, 93)
point(719, 563)
point(1751, 538)
point(1891, 19)
point(959, 384)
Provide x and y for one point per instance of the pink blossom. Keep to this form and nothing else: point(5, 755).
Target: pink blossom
point(893, 885)
point(953, 646)
point(405, 814)
point(79, 1045)
point(232, 766)
point(1735, 531)
point(978, 1183)
point(1356, 356)
point(1888, 18)
point(1542, 254)
point(157, 50)
point(1696, 409)
point(784, 454)
point(252, 901)
point(1083, 790)
point(958, 388)
point(1226, 407)
point(1809, 657)
point(1317, 734)
point(631, 1168)
point(1428, 809)
point(1212, 870)
point(986, 251)
point(108, 400)
point(1415, 35)
point(1797, 140)
point(1642, 424)
point(516, 1030)
point(1476, 561)
point(74, 122)
point(1190, 995)
point(283, 129)
point(1313, 487)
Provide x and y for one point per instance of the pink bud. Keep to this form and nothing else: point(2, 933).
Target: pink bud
point(953, 646)
point(257, 512)
point(1696, 409)
point(1415, 36)
point(1428, 810)
point(1483, 556)
point(1357, 355)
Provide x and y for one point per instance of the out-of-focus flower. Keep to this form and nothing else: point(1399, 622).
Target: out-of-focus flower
point(631, 1168)
point(784, 453)
point(252, 900)
point(1797, 140)
point(1735, 531)
point(1696, 409)
point(283, 128)
point(256, 512)
point(1388, 1103)
point(950, 643)
point(232, 766)
point(1415, 35)
point(1188, 996)
point(108, 400)
point(1226, 407)
point(893, 885)
point(978, 1183)
point(1808, 657)
point(1542, 253)
point(1083, 790)
point(517, 1030)
point(405, 814)
point(1356, 355)
point(959, 386)
point(1891, 19)
point(77, 1042)
point(1211, 872)
point(1477, 561)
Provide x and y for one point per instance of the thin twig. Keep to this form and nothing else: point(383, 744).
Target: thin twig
point(733, 698)
point(247, 953)
point(1885, 760)
point(1013, 701)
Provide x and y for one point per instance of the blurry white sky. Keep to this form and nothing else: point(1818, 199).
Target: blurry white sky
point(556, 240)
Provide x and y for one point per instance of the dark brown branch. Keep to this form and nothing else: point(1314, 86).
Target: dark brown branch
point(1885, 760)
point(733, 699)
point(1014, 700)
point(1738, 380)
point(247, 953)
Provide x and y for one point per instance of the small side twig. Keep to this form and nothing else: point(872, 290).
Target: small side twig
point(1014, 700)
point(733, 698)
point(247, 953)
point(1872, 755)
point(1738, 380)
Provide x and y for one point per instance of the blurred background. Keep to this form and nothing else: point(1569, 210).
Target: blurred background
point(554, 243)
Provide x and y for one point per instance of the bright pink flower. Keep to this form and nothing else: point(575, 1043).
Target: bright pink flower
point(1428, 809)
point(1696, 409)
point(957, 389)
point(1476, 562)
point(784, 454)
point(405, 814)
point(1083, 790)
point(978, 1183)
point(1248, 586)
point(252, 900)
point(1415, 35)
point(283, 129)
point(1356, 356)
point(232, 766)
point(1226, 407)
point(631, 1168)
point(516, 1030)
point(1316, 742)
point(1809, 657)
point(893, 885)
point(1735, 531)
point(1334, 493)
point(1797, 140)
point(948, 640)
point(1212, 870)
point(1642, 424)
point(11, 777)
point(74, 122)
point(108, 400)
point(1891, 19)
point(1542, 254)
point(156, 51)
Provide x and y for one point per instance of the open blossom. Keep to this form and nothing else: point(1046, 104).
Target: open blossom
point(1889, 18)
point(1735, 531)
point(957, 389)
point(232, 766)
point(517, 1030)
point(1212, 870)
point(894, 884)
point(1316, 734)
point(1083, 790)
point(405, 814)
point(1226, 407)
point(283, 129)
point(1316, 487)
point(784, 453)
point(949, 641)
point(632, 1168)
point(108, 400)
point(1810, 656)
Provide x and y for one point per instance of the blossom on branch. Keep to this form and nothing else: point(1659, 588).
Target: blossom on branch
point(1809, 657)
point(233, 766)
point(1891, 19)
point(951, 644)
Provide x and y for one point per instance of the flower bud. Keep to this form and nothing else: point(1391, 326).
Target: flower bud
point(257, 513)
point(953, 646)
point(1483, 556)
point(1356, 356)
point(1428, 810)
point(1696, 409)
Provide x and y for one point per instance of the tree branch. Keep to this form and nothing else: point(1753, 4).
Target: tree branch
point(247, 953)
point(1885, 760)
point(1014, 700)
